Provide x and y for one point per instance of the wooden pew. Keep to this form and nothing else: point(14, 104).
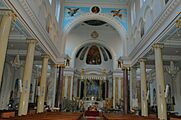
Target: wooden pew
point(126, 117)
point(51, 116)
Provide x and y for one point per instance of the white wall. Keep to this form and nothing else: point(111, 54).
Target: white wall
point(80, 35)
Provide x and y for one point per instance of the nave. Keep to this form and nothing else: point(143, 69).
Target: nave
point(80, 116)
point(90, 59)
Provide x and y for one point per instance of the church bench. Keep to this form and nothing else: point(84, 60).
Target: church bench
point(51, 116)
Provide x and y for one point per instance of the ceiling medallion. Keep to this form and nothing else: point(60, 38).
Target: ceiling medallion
point(94, 35)
point(95, 9)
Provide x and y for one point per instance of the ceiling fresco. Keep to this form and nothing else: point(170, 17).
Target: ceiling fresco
point(119, 14)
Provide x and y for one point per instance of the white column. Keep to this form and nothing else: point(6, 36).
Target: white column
point(4, 34)
point(114, 92)
point(54, 80)
point(144, 102)
point(161, 102)
point(43, 80)
point(133, 91)
point(24, 98)
point(66, 86)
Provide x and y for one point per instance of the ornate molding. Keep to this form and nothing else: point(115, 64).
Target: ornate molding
point(153, 35)
point(32, 24)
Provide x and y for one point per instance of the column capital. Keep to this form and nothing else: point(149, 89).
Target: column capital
point(61, 65)
point(34, 41)
point(142, 60)
point(133, 67)
point(158, 45)
point(125, 66)
point(8, 13)
point(54, 65)
point(45, 56)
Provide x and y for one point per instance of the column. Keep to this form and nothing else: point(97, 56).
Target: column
point(41, 97)
point(100, 89)
point(65, 86)
point(85, 88)
point(161, 102)
point(107, 88)
point(59, 85)
point(24, 98)
point(125, 89)
point(144, 102)
point(54, 80)
point(4, 34)
point(133, 92)
point(114, 92)
point(71, 87)
point(78, 84)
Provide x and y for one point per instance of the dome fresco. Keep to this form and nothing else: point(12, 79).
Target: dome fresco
point(94, 54)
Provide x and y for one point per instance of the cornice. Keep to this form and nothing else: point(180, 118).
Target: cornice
point(30, 21)
point(147, 41)
point(102, 4)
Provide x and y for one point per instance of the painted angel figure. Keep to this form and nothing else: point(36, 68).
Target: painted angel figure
point(72, 11)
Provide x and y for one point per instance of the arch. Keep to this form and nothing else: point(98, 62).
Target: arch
point(90, 16)
point(89, 42)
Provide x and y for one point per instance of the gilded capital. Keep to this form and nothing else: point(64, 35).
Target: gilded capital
point(45, 56)
point(142, 60)
point(61, 65)
point(32, 41)
point(158, 45)
point(12, 15)
point(7, 12)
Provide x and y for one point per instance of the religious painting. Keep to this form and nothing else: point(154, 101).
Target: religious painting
point(72, 11)
point(92, 88)
point(95, 9)
point(93, 56)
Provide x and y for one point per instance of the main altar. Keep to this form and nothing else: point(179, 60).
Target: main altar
point(88, 103)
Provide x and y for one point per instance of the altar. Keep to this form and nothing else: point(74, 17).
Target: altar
point(88, 103)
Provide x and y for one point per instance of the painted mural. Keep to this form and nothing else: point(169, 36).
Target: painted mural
point(93, 56)
point(73, 12)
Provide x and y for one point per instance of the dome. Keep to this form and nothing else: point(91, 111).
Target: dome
point(93, 54)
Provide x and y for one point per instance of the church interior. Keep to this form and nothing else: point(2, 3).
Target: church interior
point(90, 59)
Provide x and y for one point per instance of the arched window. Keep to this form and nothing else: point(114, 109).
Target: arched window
point(57, 11)
point(142, 31)
point(133, 13)
point(148, 16)
point(141, 3)
point(166, 1)
point(50, 1)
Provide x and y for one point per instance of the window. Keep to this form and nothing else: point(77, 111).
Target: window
point(50, 1)
point(166, 1)
point(133, 13)
point(57, 12)
point(141, 3)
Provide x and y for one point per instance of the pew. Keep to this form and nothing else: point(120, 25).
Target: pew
point(50, 116)
point(7, 114)
point(126, 117)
